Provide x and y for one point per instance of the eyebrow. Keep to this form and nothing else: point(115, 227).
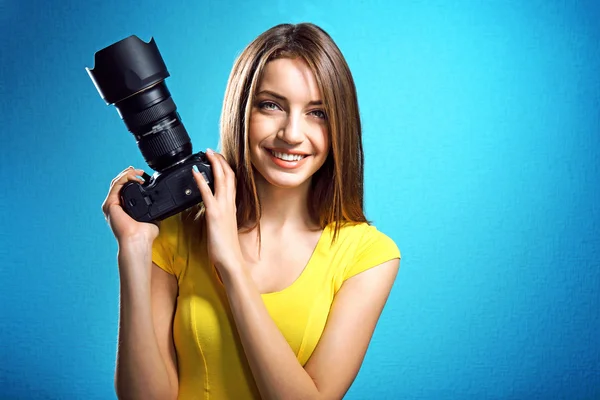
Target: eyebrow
point(282, 98)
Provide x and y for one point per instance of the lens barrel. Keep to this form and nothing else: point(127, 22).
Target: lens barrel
point(130, 75)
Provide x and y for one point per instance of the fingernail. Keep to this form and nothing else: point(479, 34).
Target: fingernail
point(210, 152)
point(195, 168)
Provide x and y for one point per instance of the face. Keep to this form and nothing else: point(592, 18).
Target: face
point(288, 133)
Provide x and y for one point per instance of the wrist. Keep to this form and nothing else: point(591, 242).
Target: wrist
point(134, 258)
point(137, 245)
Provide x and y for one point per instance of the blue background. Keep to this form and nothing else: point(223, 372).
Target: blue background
point(482, 139)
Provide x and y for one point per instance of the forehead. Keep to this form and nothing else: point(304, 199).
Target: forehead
point(290, 77)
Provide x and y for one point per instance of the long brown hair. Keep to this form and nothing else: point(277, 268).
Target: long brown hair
point(337, 187)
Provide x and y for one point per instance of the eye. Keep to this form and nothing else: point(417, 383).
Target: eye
point(319, 114)
point(268, 105)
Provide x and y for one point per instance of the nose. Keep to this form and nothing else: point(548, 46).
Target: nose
point(291, 131)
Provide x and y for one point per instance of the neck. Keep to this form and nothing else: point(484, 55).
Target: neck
point(284, 208)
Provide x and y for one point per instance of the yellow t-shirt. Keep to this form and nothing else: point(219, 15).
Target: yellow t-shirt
point(211, 360)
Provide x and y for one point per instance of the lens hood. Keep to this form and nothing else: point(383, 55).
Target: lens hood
point(130, 74)
point(126, 67)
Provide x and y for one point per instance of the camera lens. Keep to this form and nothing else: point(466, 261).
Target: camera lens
point(130, 74)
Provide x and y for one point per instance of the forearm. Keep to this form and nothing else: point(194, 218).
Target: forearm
point(277, 372)
point(140, 371)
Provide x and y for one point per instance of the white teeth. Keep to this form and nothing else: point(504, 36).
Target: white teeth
point(287, 157)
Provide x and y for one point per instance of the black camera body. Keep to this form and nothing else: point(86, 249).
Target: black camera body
point(130, 74)
point(166, 193)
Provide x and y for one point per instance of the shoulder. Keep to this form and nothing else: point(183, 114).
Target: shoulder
point(175, 229)
point(366, 238)
point(360, 247)
point(363, 283)
point(172, 241)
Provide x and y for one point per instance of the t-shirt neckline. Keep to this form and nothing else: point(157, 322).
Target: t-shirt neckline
point(305, 270)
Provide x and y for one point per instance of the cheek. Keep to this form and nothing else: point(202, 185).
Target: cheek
point(260, 128)
point(253, 129)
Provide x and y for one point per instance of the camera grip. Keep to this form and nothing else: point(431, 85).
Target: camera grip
point(167, 193)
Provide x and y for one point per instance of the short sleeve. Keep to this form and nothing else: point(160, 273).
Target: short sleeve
point(165, 245)
point(374, 248)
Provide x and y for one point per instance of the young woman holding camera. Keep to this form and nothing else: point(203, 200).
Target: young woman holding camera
point(273, 287)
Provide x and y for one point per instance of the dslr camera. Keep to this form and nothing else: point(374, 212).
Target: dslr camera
point(130, 75)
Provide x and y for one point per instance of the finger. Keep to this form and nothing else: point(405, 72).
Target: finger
point(125, 172)
point(220, 182)
point(113, 194)
point(205, 192)
point(120, 174)
point(130, 175)
point(229, 177)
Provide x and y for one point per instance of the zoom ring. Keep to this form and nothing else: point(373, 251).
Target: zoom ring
point(149, 115)
point(164, 142)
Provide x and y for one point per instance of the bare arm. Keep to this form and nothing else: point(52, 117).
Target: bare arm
point(146, 365)
point(146, 362)
point(350, 325)
point(337, 358)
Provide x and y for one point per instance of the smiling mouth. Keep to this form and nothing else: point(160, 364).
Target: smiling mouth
point(286, 156)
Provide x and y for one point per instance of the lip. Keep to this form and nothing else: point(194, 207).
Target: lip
point(286, 164)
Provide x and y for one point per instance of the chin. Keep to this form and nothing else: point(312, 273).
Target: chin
point(284, 182)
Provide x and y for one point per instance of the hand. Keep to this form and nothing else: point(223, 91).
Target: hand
point(224, 250)
point(125, 228)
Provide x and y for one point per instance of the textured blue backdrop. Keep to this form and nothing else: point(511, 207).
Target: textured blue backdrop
point(482, 139)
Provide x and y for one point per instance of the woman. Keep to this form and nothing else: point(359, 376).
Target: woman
point(274, 286)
